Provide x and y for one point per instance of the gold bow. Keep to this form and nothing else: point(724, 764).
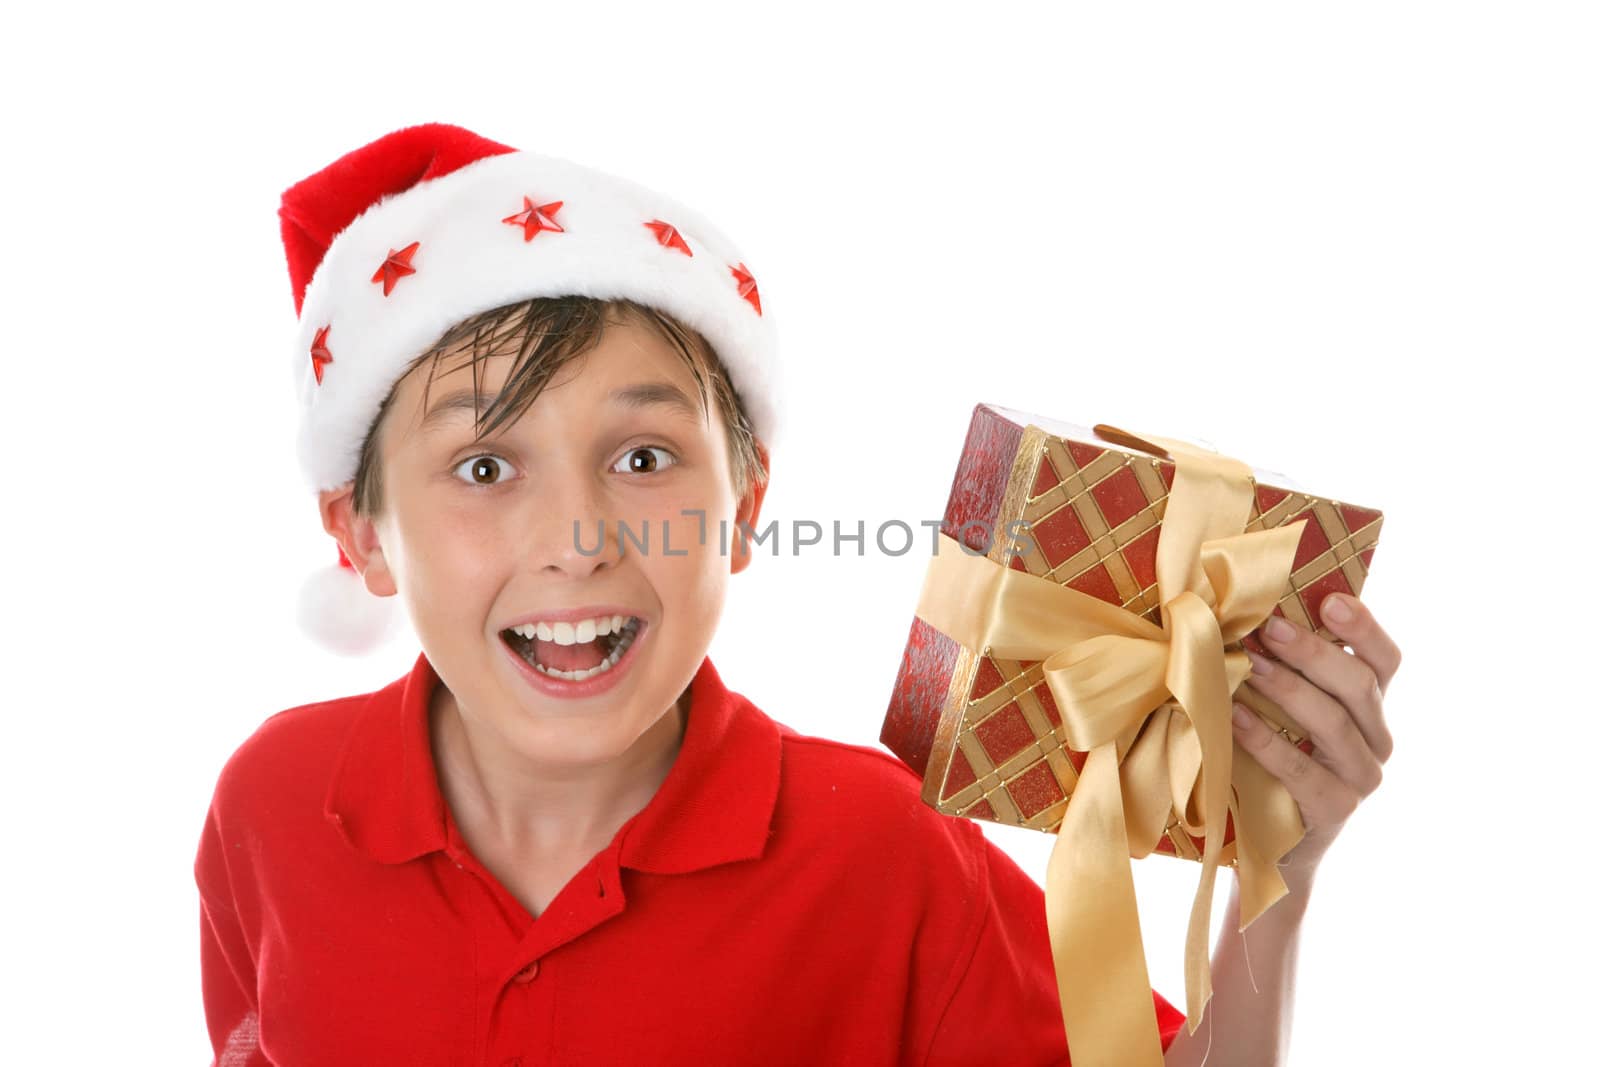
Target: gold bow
point(1113, 675)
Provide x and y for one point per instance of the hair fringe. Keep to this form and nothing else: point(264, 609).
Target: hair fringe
point(548, 333)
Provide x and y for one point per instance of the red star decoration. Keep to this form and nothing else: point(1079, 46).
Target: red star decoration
point(668, 235)
point(397, 266)
point(320, 356)
point(747, 286)
point(533, 219)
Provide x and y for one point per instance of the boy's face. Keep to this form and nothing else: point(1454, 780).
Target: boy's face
point(479, 537)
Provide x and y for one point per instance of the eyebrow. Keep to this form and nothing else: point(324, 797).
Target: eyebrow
point(657, 394)
point(633, 397)
point(460, 400)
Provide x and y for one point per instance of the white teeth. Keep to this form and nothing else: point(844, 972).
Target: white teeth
point(604, 665)
point(566, 633)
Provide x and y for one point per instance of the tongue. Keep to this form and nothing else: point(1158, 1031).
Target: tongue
point(578, 657)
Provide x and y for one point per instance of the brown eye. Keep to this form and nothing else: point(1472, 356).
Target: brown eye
point(642, 460)
point(483, 470)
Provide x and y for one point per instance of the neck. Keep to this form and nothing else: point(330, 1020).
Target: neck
point(508, 801)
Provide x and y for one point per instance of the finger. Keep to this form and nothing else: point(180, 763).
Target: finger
point(1352, 621)
point(1243, 695)
point(1324, 799)
point(1340, 744)
point(1346, 678)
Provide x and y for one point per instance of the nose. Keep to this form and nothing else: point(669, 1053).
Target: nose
point(570, 530)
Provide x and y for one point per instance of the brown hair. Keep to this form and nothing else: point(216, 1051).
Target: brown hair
point(546, 333)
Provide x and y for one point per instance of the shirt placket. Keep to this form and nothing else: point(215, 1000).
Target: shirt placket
point(521, 959)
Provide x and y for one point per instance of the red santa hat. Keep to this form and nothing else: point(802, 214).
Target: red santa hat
point(394, 243)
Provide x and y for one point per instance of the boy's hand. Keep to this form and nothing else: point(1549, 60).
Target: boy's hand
point(1338, 698)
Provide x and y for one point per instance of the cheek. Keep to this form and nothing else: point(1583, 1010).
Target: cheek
point(706, 588)
point(692, 584)
point(448, 556)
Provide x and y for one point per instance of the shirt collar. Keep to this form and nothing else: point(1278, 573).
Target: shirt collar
point(715, 805)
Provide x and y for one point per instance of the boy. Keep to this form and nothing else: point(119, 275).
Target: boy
point(559, 838)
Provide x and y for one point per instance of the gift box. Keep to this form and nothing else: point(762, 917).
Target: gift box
point(982, 730)
point(1071, 667)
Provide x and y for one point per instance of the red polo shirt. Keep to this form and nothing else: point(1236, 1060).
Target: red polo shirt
point(781, 899)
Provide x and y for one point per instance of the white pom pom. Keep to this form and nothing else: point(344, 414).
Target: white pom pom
point(338, 612)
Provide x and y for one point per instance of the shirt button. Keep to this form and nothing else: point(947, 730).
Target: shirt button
point(528, 973)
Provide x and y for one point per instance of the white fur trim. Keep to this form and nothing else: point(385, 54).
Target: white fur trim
point(469, 261)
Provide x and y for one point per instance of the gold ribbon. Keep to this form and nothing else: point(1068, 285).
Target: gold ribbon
point(1114, 675)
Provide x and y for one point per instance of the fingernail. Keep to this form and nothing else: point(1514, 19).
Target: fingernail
point(1259, 663)
point(1279, 629)
point(1337, 608)
point(1241, 717)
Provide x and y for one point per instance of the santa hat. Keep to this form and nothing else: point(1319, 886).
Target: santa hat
point(396, 242)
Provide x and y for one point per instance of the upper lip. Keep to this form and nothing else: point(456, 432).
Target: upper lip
point(554, 615)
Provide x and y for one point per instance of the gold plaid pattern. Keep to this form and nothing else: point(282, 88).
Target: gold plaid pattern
point(1094, 513)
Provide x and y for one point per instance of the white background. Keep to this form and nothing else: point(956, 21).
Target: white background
point(1355, 243)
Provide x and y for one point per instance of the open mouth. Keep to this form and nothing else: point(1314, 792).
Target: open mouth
point(576, 650)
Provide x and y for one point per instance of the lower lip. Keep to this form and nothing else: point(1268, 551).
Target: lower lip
point(593, 685)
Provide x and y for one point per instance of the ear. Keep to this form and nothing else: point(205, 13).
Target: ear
point(749, 512)
point(358, 537)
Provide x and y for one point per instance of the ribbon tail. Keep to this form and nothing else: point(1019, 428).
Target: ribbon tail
point(1197, 676)
point(1146, 796)
point(1093, 920)
point(1267, 828)
point(1197, 946)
